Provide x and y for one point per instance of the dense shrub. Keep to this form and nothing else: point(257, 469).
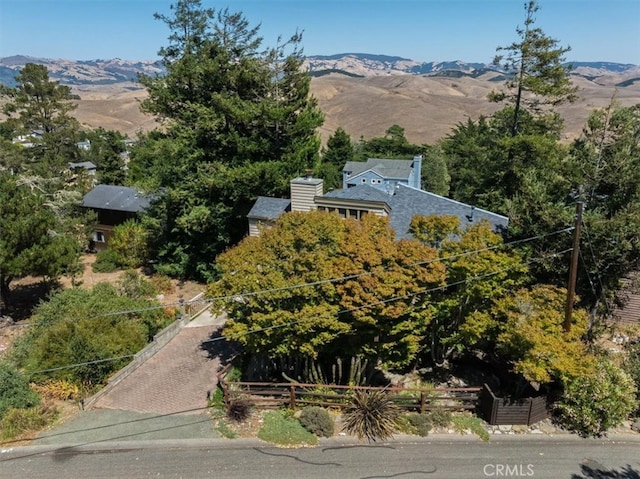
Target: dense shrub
point(370, 414)
point(129, 243)
point(317, 421)
point(107, 261)
point(631, 366)
point(134, 285)
point(14, 390)
point(61, 390)
point(591, 405)
point(18, 421)
point(440, 417)
point(78, 327)
point(421, 423)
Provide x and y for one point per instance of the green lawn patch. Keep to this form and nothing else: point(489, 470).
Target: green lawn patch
point(282, 429)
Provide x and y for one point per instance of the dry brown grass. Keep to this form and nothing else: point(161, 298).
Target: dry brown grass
point(428, 108)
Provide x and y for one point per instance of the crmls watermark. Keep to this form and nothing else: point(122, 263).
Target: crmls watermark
point(508, 470)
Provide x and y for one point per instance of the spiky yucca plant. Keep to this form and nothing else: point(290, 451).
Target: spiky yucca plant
point(239, 409)
point(370, 414)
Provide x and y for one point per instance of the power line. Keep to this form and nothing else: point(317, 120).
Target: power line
point(292, 323)
point(305, 285)
point(425, 291)
point(597, 273)
point(77, 365)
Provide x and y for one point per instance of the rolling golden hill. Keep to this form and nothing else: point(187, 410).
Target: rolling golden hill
point(426, 107)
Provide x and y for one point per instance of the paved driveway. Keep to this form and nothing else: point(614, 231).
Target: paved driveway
point(178, 378)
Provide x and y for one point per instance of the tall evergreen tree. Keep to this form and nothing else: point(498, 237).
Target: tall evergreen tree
point(41, 104)
point(339, 150)
point(539, 76)
point(239, 123)
point(33, 239)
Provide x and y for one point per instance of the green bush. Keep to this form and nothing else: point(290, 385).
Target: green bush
point(280, 428)
point(422, 423)
point(14, 390)
point(76, 327)
point(440, 417)
point(371, 414)
point(462, 424)
point(129, 243)
point(134, 285)
point(404, 426)
point(16, 422)
point(592, 405)
point(317, 421)
point(107, 261)
point(631, 366)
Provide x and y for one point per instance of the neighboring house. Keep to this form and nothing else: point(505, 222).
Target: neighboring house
point(400, 204)
point(84, 145)
point(75, 171)
point(629, 311)
point(87, 166)
point(265, 212)
point(29, 140)
point(382, 174)
point(114, 205)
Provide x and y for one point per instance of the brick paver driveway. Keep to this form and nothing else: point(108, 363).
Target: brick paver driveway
point(176, 379)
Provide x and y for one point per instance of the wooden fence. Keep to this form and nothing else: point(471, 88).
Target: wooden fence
point(498, 410)
point(294, 395)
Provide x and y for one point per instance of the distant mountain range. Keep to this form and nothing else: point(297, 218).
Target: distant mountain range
point(81, 73)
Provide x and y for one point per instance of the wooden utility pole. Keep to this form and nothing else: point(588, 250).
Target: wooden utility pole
point(573, 269)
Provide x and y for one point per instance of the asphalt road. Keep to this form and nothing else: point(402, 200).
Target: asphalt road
point(548, 458)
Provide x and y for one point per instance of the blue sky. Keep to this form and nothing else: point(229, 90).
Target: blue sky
point(422, 30)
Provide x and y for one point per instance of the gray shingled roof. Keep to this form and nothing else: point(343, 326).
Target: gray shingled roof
point(359, 192)
point(408, 202)
point(385, 168)
point(117, 198)
point(266, 208)
point(87, 165)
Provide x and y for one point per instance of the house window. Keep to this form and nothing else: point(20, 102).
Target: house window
point(353, 214)
point(342, 212)
point(363, 180)
point(98, 236)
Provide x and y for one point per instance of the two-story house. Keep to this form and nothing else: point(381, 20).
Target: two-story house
point(395, 196)
point(114, 205)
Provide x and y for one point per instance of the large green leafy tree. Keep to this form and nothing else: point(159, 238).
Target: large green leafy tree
point(233, 110)
point(378, 311)
point(539, 76)
point(33, 241)
point(479, 270)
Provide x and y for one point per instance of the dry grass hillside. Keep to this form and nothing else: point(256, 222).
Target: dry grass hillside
point(426, 107)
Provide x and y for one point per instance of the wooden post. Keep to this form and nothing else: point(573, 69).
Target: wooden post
point(573, 269)
point(292, 397)
point(422, 401)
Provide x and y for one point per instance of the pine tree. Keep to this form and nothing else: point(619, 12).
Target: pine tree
point(540, 77)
